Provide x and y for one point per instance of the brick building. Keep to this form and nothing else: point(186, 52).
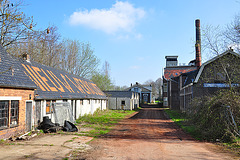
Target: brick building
point(28, 92)
point(16, 97)
point(172, 71)
point(209, 78)
point(181, 84)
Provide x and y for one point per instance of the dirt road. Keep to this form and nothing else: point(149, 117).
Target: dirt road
point(149, 135)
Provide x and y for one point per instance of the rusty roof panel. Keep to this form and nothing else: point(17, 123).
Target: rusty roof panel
point(176, 71)
point(56, 84)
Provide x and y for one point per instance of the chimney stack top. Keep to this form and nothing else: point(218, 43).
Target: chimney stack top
point(26, 57)
point(197, 22)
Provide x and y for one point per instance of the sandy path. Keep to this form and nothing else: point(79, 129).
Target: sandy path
point(149, 135)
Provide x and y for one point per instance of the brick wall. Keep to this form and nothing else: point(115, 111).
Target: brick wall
point(7, 93)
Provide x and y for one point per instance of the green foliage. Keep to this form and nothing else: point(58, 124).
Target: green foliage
point(182, 120)
point(212, 117)
point(102, 81)
point(2, 141)
point(101, 121)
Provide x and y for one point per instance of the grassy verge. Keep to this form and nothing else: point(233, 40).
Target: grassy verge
point(101, 121)
point(181, 119)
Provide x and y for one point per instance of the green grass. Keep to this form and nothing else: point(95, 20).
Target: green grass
point(181, 119)
point(102, 121)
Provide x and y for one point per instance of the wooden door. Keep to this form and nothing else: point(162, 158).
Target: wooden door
point(28, 116)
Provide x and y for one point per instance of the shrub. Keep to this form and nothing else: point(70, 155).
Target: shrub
point(217, 117)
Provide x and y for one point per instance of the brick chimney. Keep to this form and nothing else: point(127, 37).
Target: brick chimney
point(198, 44)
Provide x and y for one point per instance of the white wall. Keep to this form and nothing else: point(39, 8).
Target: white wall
point(115, 103)
point(81, 109)
point(104, 104)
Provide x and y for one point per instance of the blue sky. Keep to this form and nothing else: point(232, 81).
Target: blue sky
point(134, 36)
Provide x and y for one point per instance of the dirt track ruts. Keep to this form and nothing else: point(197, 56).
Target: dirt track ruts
point(150, 135)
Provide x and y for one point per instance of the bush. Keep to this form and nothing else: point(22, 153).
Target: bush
point(213, 119)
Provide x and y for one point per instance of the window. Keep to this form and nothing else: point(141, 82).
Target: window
point(165, 87)
point(49, 103)
point(165, 101)
point(220, 77)
point(123, 103)
point(135, 89)
point(14, 113)
point(9, 108)
point(4, 114)
point(48, 106)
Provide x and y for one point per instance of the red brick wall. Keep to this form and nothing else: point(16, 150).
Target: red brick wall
point(24, 94)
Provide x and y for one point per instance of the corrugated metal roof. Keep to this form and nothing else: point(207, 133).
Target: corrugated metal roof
point(122, 94)
point(56, 84)
point(11, 72)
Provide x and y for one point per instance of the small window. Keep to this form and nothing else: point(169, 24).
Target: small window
point(14, 113)
point(220, 77)
point(165, 87)
point(135, 89)
point(48, 107)
point(4, 114)
point(123, 103)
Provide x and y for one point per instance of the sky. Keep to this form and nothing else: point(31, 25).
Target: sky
point(133, 36)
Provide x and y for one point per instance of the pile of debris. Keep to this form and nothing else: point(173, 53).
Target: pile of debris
point(25, 136)
point(48, 126)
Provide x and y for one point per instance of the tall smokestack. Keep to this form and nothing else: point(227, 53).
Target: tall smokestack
point(198, 44)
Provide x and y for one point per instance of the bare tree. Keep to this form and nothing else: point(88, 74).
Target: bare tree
point(232, 33)
point(15, 25)
point(47, 47)
point(217, 40)
point(43, 47)
point(106, 68)
point(78, 58)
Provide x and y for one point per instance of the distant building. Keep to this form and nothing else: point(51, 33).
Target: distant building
point(170, 83)
point(172, 72)
point(122, 100)
point(144, 91)
point(181, 84)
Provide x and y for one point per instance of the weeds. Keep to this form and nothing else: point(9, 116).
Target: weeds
point(182, 120)
point(101, 121)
